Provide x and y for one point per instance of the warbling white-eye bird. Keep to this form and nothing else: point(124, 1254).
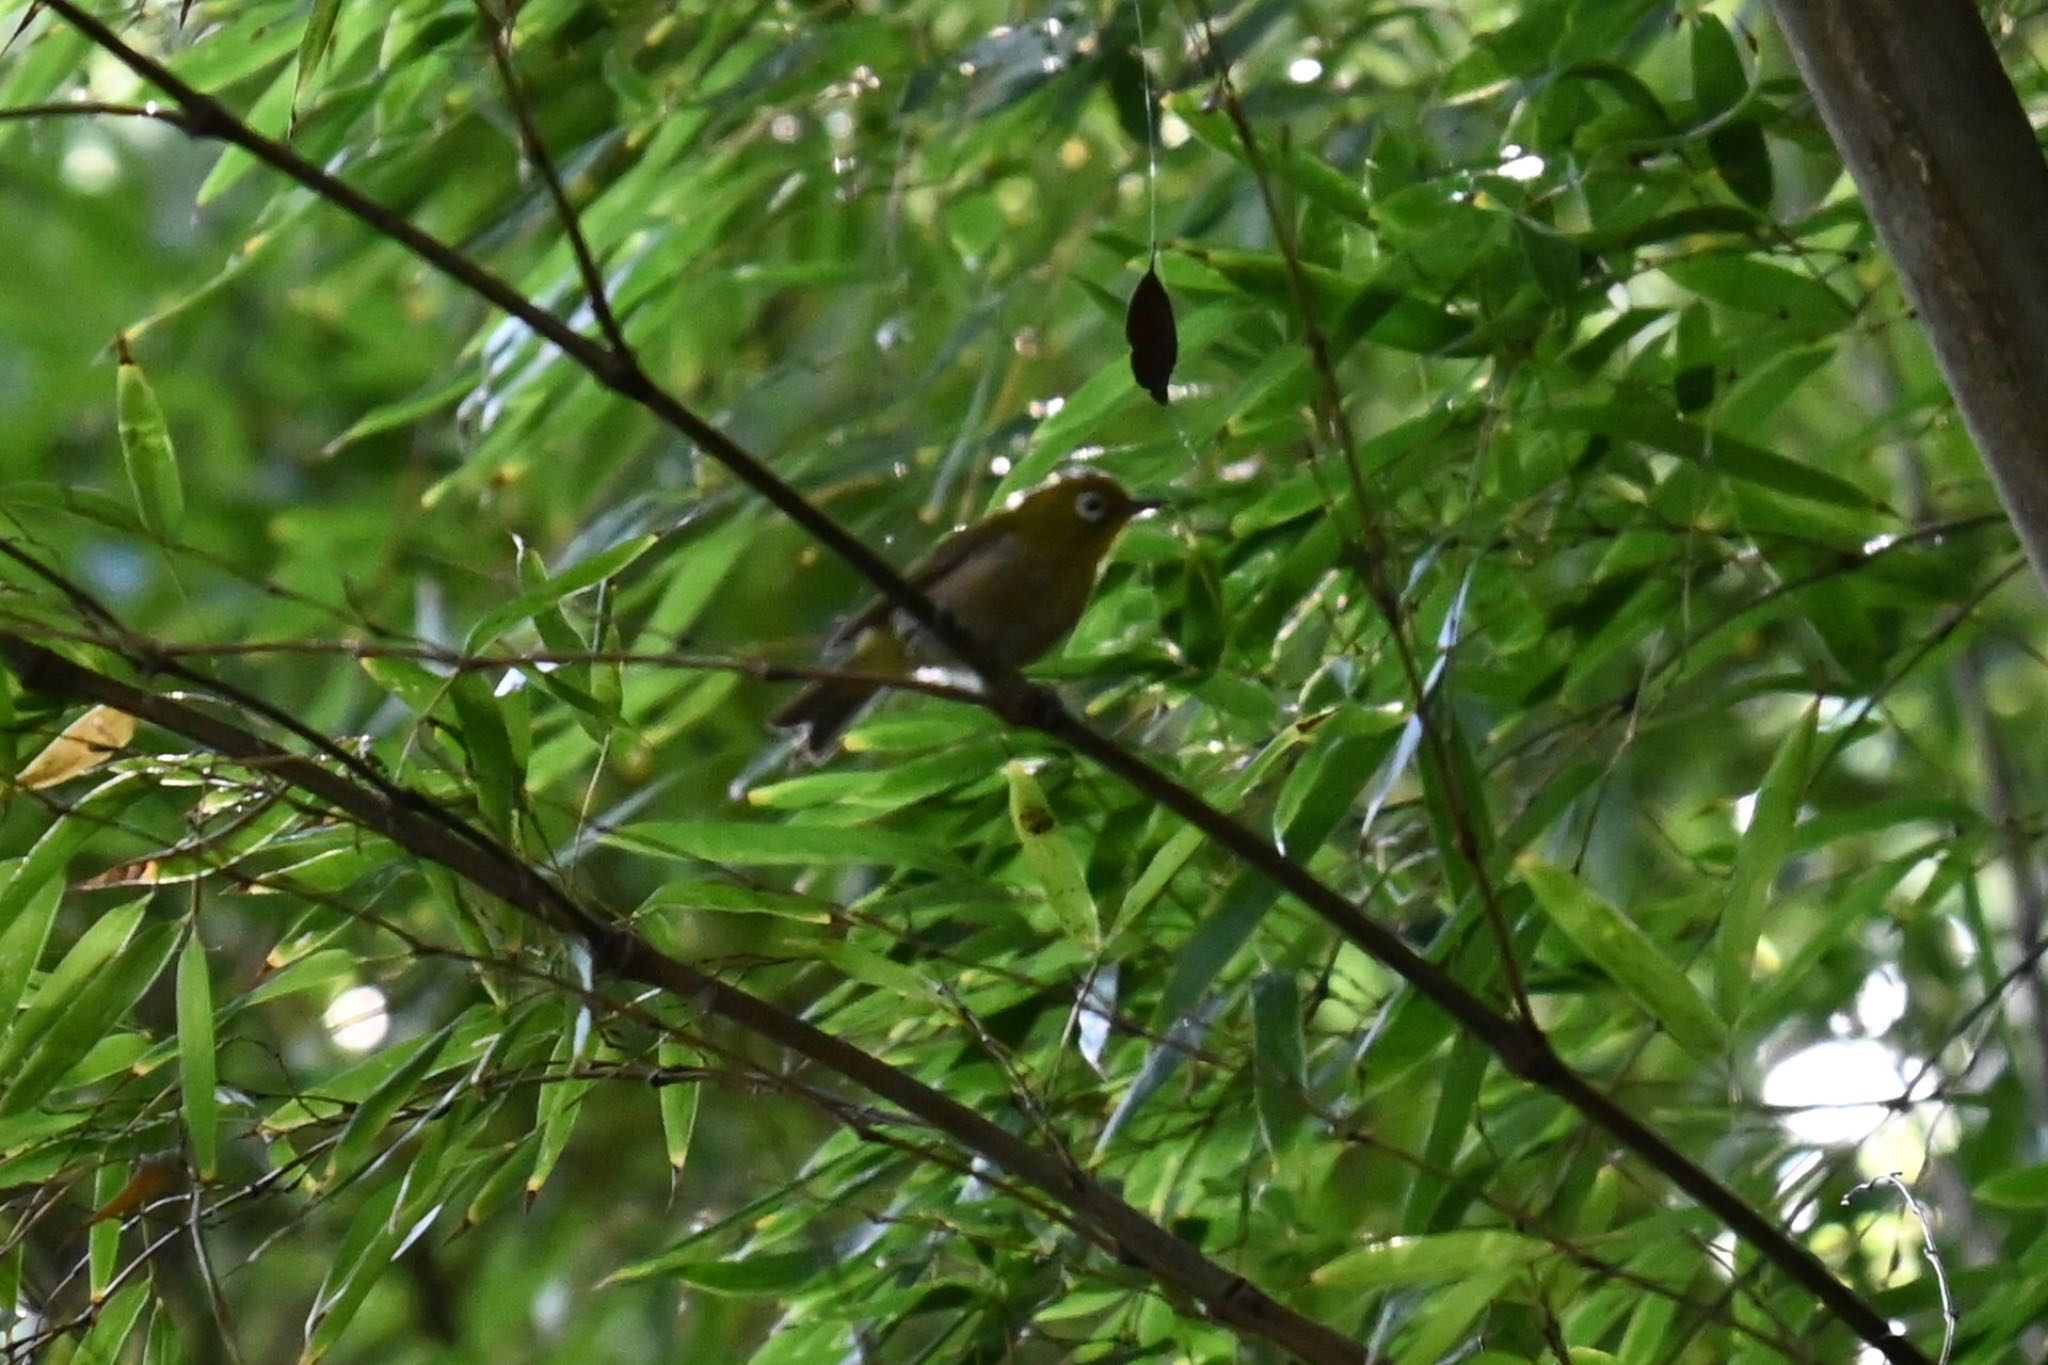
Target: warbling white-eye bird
point(1017, 582)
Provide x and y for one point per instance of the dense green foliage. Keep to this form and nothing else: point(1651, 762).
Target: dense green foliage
point(1728, 699)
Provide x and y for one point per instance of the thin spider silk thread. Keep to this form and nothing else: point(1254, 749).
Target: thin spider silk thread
point(1151, 137)
point(1152, 190)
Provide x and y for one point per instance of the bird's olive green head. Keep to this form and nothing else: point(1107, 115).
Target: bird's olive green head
point(1074, 519)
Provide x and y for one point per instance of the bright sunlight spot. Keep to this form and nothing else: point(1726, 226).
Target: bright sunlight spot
point(356, 1021)
point(1302, 70)
point(1881, 1001)
point(89, 167)
point(1834, 1092)
point(1745, 811)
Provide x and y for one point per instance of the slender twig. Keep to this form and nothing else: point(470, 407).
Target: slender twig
point(1521, 1048)
point(500, 31)
point(1949, 1316)
point(94, 108)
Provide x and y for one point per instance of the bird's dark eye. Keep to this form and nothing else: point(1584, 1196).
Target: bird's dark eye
point(1092, 506)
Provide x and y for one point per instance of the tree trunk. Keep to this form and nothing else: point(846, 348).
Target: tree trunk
point(1953, 179)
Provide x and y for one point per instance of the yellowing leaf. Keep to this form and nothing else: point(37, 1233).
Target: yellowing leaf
point(1052, 859)
point(87, 742)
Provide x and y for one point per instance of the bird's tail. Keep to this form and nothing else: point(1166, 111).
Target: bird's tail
point(823, 711)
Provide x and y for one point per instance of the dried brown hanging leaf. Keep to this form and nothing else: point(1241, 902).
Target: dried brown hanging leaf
point(1155, 345)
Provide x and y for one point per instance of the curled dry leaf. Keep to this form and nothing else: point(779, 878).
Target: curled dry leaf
point(142, 872)
point(86, 743)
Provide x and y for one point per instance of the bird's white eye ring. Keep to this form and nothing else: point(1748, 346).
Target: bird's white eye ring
point(1092, 506)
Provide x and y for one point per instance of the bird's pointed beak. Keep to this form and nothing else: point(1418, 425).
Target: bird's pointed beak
point(1141, 506)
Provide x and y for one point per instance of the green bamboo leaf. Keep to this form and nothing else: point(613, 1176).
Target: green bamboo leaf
point(773, 1272)
point(364, 1254)
point(1718, 80)
point(787, 845)
point(561, 1101)
point(307, 973)
point(1449, 1126)
point(119, 1052)
point(11, 1277)
point(1330, 777)
point(1050, 855)
point(698, 570)
point(1402, 1261)
point(1737, 459)
point(2025, 1187)
point(1162, 1061)
point(1699, 220)
point(678, 1100)
point(505, 1180)
point(892, 788)
point(1306, 172)
point(582, 575)
point(1182, 845)
point(114, 1324)
point(1756, 286)
point(354, 1086)
point(21, 944)
point(729, 898)
point(1445, 1318)
point(412, 682)
point(1650, 1325)
point(313, 45)
point(500, 779)
point(873, 969)
point(11, 728)
point(1279, 1066)
point(103, 1237)
point(163, 1346)
point(97, 946)
point(146, 450)
point(571, 682)
point(1742, 157)
point(402, 413)
point(270, 114)
point(196, 1055)
point(1344, 769)
point(1625, 953)
point(358, 1141)
point(1758, 858)
point(83, 1017)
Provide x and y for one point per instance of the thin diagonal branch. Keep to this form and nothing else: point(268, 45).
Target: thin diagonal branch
point(500, 30)
point(93, 108)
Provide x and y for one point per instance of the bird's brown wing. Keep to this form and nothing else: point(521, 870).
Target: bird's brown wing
point(943, 558)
